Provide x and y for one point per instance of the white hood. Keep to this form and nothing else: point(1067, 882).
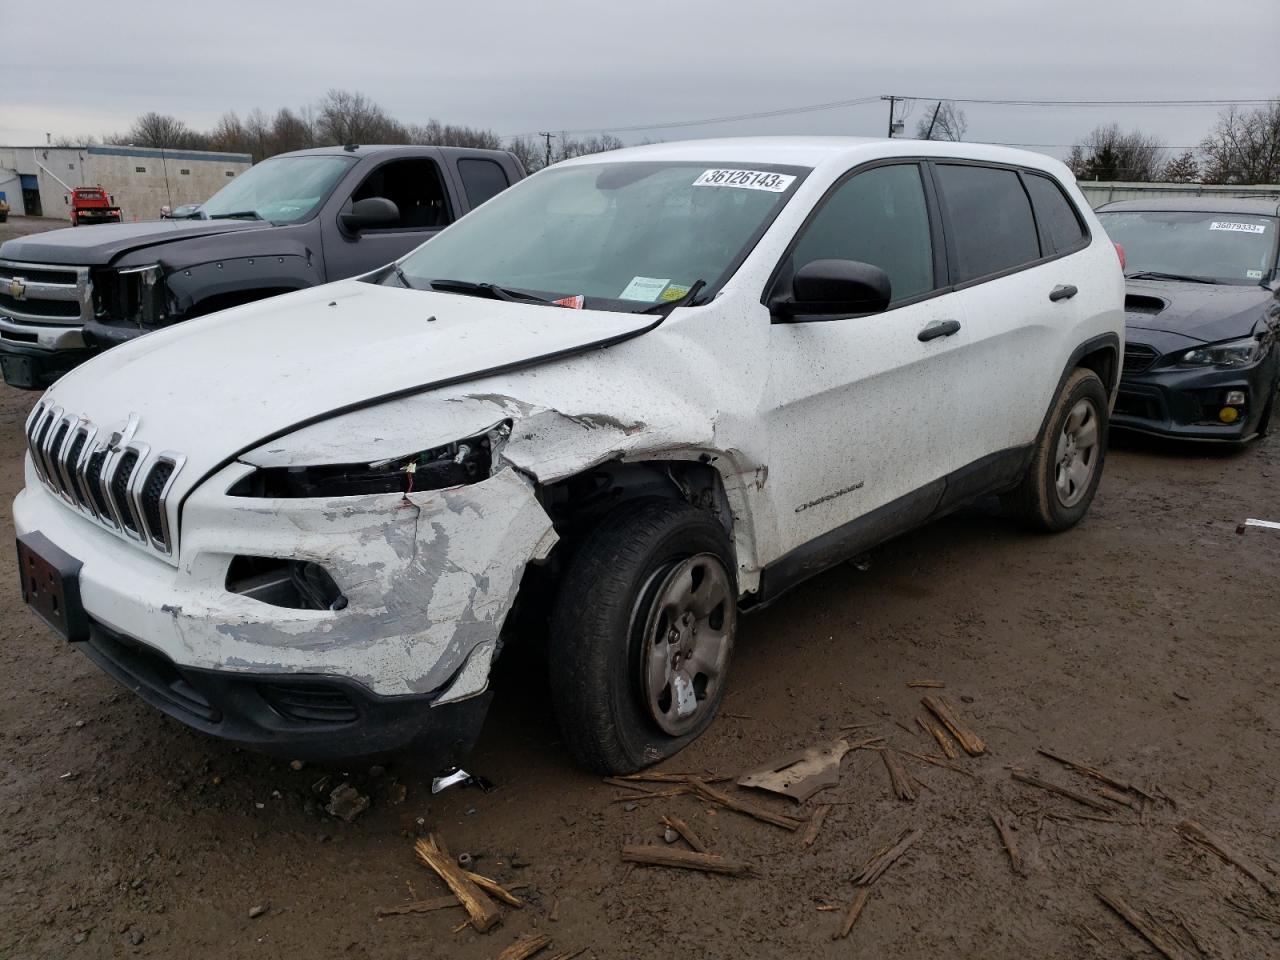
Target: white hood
point(215, 386)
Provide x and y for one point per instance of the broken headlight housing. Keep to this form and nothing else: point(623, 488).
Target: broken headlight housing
point(450, 465)
point(1233, 353)
point(133, 295)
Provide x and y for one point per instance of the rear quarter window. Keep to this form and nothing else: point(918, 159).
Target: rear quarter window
point(989, 219)
point(483, 179)
point(1056, 214)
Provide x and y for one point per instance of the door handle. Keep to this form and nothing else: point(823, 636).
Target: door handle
point(1063, 291)
point(939, 328)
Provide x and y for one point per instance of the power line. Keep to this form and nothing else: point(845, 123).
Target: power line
point(1106, 103)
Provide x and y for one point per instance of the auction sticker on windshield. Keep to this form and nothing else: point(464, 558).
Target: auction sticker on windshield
point(746, 180)
point(644, 288)
point(1238, 227)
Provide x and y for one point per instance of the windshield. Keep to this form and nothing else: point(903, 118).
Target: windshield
point(283, 189)
point(1220, 247)
point(623, 236)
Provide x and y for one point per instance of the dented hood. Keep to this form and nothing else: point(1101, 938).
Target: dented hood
point(214, 387)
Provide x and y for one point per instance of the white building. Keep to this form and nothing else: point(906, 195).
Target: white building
point(36, 180)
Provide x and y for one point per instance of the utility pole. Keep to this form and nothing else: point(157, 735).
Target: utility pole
point(892, 101)
point(929, 135)
point(547, 137)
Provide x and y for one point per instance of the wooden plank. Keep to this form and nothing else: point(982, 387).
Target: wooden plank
point(684, 860)
point(526, 947)
point(904, 787)
point(851, 915)
point(1153, 935)
point(686, 831)
point(709, 792)
point(482, 911)
point(815, 824)
point(931, 726)
point(875, 867)
point(1193, 832)
point(1005, 829)
point(1022, 776)
point(418, 906)
point(969, 741)
point(1094, 772)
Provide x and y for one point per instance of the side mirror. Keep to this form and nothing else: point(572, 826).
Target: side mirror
point(369, 214)
point(827, 289)
point(66, 199)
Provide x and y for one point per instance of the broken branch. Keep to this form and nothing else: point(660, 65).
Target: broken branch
point(1097, 774)
point(709, 792)
point(1005, 829)
point(1193, 832)
point(684, 860)
point(815, 824)
point(1153, 935)
point(526, 947)
point(418, 906)
point(482, 911)
point(682, 828)
point(874, 868)
point(1022, 776)
point(851, 915)
point(940, 762)
point(494, 888)
point(926, 683)
point(941, 708)
point(904, 787)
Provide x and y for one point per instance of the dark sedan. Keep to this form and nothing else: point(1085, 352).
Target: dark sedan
point(1202, 311)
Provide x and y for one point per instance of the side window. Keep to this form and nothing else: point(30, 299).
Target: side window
point(415, 188)
point(989, 217)
point(1056, 214)
point(483, 179)
point(878, 217)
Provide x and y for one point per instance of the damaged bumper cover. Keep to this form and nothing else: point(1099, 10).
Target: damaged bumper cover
point(428, 580)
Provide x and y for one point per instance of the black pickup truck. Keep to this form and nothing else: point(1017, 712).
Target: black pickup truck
point(293, 221)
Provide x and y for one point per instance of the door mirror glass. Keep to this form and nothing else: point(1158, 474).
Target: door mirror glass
point(823, 289)
point(370, 214)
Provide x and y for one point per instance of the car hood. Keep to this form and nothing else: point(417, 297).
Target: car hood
point(214, 387)
point(1199, 311)
point(99, 245)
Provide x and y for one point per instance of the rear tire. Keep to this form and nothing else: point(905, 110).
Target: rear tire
point(1066, 466)
point(642, 634)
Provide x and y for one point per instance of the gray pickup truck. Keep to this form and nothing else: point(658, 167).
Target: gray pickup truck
point(293, 221)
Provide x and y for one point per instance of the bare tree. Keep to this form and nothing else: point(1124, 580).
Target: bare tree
point(290, 131)
point(346, 117)
point(449, 135)
point(79, 140)
point(1244, 147)
point(1111, 154)
point(160, 130)
point(1181, 169)
point(944, 122)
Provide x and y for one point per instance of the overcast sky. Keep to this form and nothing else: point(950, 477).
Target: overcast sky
point(90, 68)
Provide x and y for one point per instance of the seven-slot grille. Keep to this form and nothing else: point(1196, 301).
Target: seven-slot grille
point(1138, 356)
point(45, 295)
point(109, 477)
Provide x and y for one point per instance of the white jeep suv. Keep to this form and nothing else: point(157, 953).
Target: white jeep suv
point(618, 405)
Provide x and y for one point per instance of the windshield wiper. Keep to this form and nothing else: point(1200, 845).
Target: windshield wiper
point(665, 309)
point(487, 290)
point(238, 215)
point(400, 275)
point(1157, 275)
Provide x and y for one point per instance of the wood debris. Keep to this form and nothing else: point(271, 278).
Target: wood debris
point(801, 774)
point(1005, 828)
point(940, 762)
point(1193, 832)
point(493, 888)
point(708, 792)
point(884, 858)
point(526, 947)
point(654, 777)
point(569, 955)
point(937, 684)
point(942, 708)
point(1155, 936)
point(904, 785)
point(685, 831)
point(1115, 796)
point(1191, 934)
point(418, 906)
point(654, 794)
point(851, 915)
point(483, 913)
point(815, 824)
point(932, 727)
point(684, 860)
point(1094, 772)
point(1022, 776)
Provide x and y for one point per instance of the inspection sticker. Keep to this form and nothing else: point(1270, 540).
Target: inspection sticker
point(746, 180)
point(644, 288)
point(1238, 227)
point(1253, 274)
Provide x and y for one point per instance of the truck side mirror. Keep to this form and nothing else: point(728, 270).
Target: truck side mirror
point(66, 199)
point(370, 214)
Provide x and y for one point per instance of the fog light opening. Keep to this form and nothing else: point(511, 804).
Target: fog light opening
point(293, 584)
point(1228, 414)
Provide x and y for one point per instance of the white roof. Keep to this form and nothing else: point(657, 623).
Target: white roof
point(816, 151)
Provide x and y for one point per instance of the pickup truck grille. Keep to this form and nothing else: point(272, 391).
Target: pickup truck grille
point(43, 295)
point(109, 477)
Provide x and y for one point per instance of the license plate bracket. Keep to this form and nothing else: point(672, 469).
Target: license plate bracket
point(51, 585)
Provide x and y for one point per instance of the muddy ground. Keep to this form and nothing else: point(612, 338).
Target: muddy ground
point(1144, 642)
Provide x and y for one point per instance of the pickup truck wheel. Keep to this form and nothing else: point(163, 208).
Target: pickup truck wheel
point(642, 634)
point(1066, 466)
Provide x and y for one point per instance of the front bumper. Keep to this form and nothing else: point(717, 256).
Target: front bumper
point(429, 581)
point(33, 357)
point(1183, 402)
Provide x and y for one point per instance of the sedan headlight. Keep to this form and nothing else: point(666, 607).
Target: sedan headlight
point(1234, 353)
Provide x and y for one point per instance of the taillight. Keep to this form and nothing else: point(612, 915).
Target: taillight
point(1120, 254)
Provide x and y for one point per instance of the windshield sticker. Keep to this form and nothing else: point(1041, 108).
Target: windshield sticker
point(674, 292)
point(1238, 227)
point(746, 180)
point(643, 288)
point(1253, 274)
point(572, 303)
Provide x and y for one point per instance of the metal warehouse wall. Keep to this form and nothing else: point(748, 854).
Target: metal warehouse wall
point(1100, 192)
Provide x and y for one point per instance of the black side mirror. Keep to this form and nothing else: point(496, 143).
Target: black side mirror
point(828, 289)
point(369, 214)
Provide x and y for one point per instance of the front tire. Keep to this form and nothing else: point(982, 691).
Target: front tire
point(1066, 466)
point(642, 635)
